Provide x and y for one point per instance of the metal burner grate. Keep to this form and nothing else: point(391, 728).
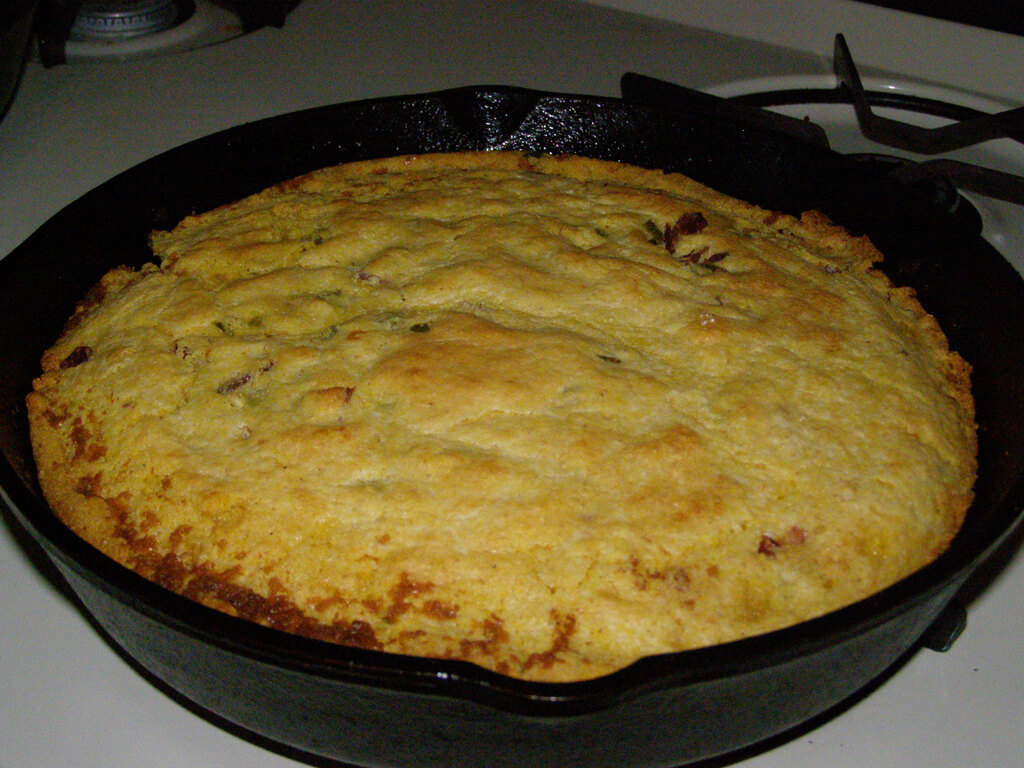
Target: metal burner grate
point(967, 126)
point(914, 138)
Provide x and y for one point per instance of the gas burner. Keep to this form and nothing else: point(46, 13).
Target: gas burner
point(960, 127)
point(76, 30)
point(100, 21)
point(914, 138)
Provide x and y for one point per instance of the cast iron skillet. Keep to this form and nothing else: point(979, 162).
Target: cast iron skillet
point(374, 708)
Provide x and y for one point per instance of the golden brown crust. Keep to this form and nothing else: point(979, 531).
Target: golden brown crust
point(546, 414)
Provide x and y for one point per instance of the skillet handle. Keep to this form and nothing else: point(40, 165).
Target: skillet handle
point(667, 95)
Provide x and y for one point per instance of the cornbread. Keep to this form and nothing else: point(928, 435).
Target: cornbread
point(545, 414)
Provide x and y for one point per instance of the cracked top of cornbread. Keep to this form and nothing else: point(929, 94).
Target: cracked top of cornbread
point(545, 414)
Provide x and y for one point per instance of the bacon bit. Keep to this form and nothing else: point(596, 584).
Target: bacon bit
point(768, 546)
point(232, 384)
point(772, 217)
point(76, 357)
point(694, 256)
point(690, 223)
point(687, 224)
point(700, 256)
point(242, 379)
point(366, 277)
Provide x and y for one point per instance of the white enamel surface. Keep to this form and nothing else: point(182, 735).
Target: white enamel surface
point(67, 699)
point(933, 50)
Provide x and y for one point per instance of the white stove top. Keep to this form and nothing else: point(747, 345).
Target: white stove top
point(68, 699)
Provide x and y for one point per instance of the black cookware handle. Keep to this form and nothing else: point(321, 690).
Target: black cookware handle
point(660, 93)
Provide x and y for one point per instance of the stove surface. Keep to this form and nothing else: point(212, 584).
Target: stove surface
point(68, 698)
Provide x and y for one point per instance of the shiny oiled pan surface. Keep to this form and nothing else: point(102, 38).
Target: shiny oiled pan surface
point(378, 709)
